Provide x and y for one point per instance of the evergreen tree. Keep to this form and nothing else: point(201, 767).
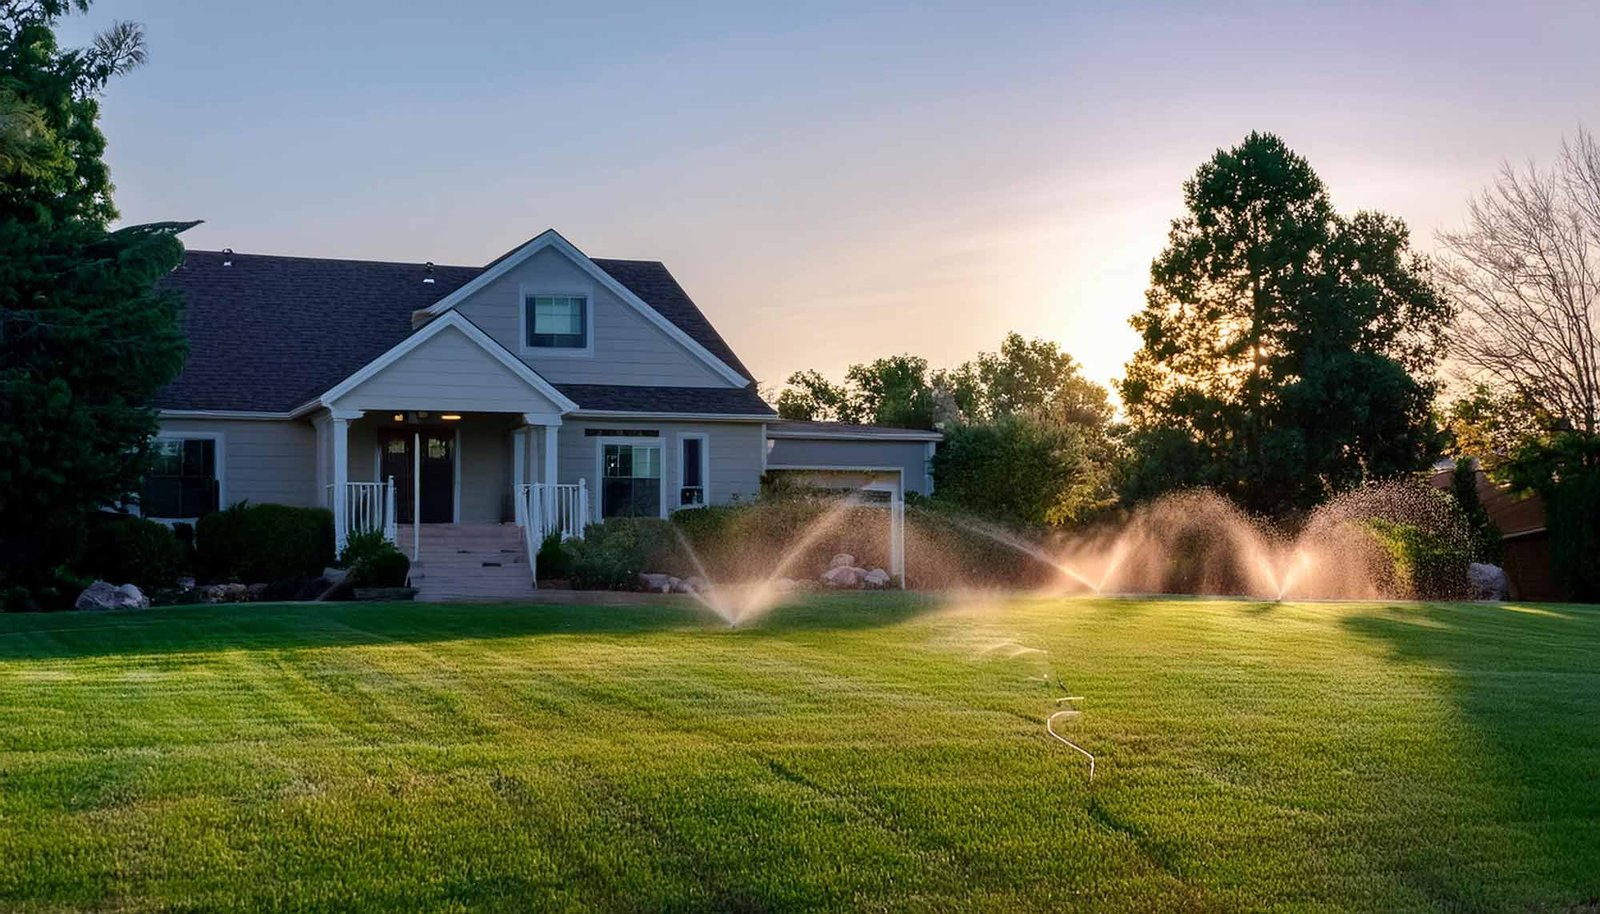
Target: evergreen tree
point(84, 340)
point(1287, 351)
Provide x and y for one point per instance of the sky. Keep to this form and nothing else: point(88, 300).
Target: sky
point(831, 183)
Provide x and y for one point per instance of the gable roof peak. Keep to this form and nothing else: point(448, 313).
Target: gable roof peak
point(550, 238)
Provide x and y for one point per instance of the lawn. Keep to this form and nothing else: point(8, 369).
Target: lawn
point(874, 752)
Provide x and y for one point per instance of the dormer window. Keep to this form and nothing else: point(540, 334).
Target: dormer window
point(556, 321)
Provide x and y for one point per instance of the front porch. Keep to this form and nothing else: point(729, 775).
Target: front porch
point(390, 471)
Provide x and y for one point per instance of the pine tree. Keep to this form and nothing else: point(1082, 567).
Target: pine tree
point(85, 341)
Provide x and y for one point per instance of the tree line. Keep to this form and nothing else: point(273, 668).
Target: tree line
point(1289, 352)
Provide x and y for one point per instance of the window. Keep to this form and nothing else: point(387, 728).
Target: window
point(182, 481)
point(630, 477)
point(557, 321)
point(692, 471)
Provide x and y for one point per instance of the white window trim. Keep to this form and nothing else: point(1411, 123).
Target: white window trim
point(599, 495)
point(705, 471)
point(219, 468)
point(561, 352)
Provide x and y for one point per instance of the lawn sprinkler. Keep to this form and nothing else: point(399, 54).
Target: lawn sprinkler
point(1050, 727)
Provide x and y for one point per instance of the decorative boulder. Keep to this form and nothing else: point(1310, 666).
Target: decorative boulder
point(335, 575)
point(656, 583)
point(224, 593)
point(694, 584)
point(876, 578)
point(842, 560)
point(784, 585)
point(842, 576)
point(1488, 582)
point(101, 595)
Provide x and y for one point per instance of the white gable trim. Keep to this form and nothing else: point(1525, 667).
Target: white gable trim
point(433, 329)
point(550, 238)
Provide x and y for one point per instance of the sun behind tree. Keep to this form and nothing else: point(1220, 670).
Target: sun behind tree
point(1288, 351)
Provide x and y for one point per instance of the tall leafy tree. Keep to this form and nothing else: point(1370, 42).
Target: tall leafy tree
point(1287, 351)
point(892, 391)
point(810, 396)
point(1024, 378)
point(84, 340)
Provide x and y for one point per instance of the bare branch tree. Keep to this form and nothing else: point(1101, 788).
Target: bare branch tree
point(1525, 274)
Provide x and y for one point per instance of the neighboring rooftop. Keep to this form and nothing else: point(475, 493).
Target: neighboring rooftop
point(268, 333)
point(797, 428)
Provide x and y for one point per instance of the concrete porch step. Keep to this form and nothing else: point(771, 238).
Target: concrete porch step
point(466, 562)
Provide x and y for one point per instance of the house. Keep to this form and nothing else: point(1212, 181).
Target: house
point(1524, 538)
point(469, 411)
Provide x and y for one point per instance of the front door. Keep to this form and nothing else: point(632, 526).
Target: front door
point(438, 480)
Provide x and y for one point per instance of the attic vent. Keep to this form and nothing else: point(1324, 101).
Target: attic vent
point(427, 272)
point(227, 257)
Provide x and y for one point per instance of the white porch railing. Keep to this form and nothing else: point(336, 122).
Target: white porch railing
point(362, 507)
point(544, 508)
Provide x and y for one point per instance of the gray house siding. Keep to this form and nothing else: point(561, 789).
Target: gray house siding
point(628, 348)
point(910, 457)
point(484, 462)
point(262, 461)
point(447, 372)
point(735, 456)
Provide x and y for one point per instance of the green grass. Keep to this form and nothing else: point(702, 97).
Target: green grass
point(864, 753)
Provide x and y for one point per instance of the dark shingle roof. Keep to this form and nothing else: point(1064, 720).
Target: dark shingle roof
point(269, 333)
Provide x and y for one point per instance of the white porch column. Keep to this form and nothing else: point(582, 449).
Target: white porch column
point(519, 458)
point(319, 427)
point(340, 428)
point(551, 436)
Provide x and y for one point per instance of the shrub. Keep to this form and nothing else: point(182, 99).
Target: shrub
point(1427, 565)
point(48, 589)
point(611, 554)
point(123, 550)
point(1024, 471)
point(184, 534)
point(387, 567)
point(554, 559)
point(264, 542)
point(358, 546)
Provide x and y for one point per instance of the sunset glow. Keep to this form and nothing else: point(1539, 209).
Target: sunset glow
point(833, 184)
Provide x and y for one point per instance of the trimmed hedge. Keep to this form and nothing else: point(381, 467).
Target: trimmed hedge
point(124, 550)
point(266, 542)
